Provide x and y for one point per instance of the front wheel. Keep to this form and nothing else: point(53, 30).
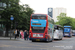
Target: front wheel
point(47, 40)
point(51, 40)
point(33, 40)
point(61, 39)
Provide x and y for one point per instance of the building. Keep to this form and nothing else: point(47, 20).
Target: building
point(2, 5)
point(57, 12)
point(54, 12)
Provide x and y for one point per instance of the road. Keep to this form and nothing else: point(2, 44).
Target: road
point(65, 44)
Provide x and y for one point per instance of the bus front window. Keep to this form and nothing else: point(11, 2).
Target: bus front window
point(66, 29)
point(38, 17)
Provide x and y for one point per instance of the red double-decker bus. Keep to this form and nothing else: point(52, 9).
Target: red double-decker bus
point(41, 28)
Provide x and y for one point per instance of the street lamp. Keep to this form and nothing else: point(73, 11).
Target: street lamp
point(11, 18)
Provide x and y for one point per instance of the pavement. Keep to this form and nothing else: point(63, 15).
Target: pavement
point(8, 38)
point(20, 39)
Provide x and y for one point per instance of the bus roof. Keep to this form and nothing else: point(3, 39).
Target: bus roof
point(39, 14)
point(67, 26)
point(58, 25)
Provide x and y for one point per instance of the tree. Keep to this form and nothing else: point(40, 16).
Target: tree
point(21, 14)
point(73, 24)
point(25, 14)
point(64, 20)
point(12, 8)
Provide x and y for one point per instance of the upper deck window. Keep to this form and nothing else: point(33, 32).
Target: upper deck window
point(38, 16)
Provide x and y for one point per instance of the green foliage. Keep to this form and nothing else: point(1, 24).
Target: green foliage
point(21, 14)
point(64, 20)
point(73, 23)
point(61, 16)
point(25, 14)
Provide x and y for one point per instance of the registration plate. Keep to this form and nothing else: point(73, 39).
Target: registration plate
point(66, 34)
point(37, 39)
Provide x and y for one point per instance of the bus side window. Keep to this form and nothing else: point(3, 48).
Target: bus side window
point(59, 28)
point(48, 30)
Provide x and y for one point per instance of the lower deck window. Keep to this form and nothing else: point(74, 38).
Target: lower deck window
point(38, 29)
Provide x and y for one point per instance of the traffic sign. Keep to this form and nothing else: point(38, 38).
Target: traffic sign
point(11, 18)
point(50, 12)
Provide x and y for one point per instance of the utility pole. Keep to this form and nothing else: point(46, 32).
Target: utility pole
point(11, 18)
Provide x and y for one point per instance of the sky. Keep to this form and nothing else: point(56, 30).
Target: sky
point(41, 6)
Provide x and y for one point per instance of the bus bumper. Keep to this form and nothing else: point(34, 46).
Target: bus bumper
point(73, 34)
point(66, 36)
point(40, 39)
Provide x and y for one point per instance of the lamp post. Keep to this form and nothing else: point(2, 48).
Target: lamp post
point(11, 18)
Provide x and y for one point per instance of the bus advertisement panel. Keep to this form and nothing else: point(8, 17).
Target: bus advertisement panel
point(67, 31)
point(40, 28)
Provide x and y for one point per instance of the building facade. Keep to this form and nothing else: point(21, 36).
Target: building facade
point(57, 12)
point(54, 12)
point(2, 5)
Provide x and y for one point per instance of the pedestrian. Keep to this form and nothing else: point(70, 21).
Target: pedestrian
point(22, 34)
point(15, 33)
point(25, 35)
point(18, 33)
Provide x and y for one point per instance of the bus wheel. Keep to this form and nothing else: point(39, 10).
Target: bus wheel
point(47, 40)
point(70, 36)
point(61, 39)
point(33, 41)
point(51, 40)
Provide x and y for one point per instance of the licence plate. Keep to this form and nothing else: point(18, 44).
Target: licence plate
point(37, 39)
point(66, 34)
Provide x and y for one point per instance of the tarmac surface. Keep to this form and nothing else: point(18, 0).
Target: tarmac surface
point(20, 44)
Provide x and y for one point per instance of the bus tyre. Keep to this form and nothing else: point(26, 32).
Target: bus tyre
point(70, 36)
point(51, 40)
point(61, 39)
point(33, 41)
point(47, 40)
